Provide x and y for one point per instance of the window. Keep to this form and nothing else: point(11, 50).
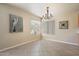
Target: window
point(48, 27)
point(35, 27)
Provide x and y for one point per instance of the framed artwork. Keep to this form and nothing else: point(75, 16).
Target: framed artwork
point(16, 23)
point(63, 25)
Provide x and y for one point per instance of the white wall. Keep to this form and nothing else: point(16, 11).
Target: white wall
point(67, 35)
point(8, 39)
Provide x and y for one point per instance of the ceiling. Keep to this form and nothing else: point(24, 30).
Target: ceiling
point(55, 8)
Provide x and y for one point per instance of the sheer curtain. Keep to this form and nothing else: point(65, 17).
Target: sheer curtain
point(48, 27)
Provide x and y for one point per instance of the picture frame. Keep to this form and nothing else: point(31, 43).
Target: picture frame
point(16, 23)
point(63, 25)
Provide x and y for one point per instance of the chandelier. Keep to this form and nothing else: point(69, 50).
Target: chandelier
point(47, 15)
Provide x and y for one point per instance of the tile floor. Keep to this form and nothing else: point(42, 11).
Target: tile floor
point(43, 48)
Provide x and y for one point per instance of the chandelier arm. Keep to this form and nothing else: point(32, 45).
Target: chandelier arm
point(47, 14)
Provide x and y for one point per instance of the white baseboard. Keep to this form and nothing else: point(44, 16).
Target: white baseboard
point(16, 45)
point(63, 42)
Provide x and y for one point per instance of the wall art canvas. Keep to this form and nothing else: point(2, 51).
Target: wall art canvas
point(63, 25)
point(16, 23)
